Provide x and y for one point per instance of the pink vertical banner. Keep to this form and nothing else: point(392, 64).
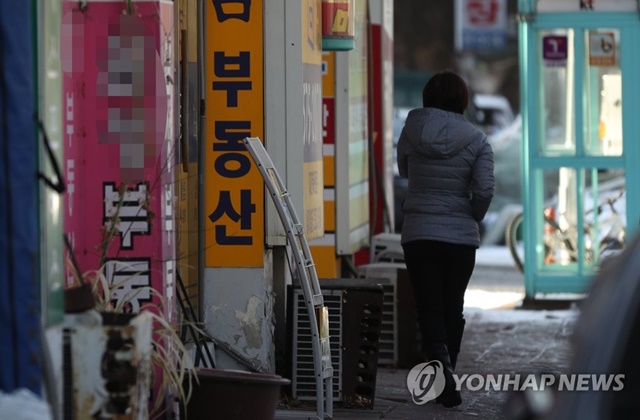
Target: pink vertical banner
point(118, 137)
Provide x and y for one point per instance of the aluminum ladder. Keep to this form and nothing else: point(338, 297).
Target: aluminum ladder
point(308, 278)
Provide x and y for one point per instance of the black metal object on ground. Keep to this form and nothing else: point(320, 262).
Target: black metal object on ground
point(200, 340)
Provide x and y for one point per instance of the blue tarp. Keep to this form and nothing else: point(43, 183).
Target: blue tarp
point(20, 358)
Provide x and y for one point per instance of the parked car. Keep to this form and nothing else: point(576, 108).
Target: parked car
point(492, 112)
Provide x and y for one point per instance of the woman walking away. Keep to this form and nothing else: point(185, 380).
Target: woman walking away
point(449, 164)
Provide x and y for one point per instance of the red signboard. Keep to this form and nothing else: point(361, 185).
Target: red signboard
point(483, 12)
point(328, 120)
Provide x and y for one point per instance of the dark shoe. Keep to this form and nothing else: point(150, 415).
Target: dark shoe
point(450, 397)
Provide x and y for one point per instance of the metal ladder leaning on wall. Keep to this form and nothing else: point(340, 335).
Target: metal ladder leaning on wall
point(308, 281)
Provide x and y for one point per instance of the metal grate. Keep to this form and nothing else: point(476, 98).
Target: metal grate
point(388, 328)
point(303, 380)
point(386, 274)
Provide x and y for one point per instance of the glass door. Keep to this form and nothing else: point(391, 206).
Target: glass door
point(579, 84)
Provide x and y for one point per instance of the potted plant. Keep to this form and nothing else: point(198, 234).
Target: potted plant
point(119, 354)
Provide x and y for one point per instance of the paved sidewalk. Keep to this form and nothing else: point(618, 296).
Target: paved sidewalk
point(500, 338)
point(497, 341)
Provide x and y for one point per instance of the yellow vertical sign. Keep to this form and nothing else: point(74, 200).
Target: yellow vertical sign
point(311, 32)
point(233, 187)
point(312, 118)
point(324, 249)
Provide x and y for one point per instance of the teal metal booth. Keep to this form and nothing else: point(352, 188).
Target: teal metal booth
point(580, 86)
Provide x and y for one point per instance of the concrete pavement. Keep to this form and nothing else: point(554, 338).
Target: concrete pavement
point(500, 338)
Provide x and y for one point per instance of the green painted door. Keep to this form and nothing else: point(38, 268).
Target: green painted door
point(580, 101)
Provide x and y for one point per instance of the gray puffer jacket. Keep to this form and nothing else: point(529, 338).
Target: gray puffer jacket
point(449, 163)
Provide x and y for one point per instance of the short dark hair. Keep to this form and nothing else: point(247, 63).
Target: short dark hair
point(447, 91)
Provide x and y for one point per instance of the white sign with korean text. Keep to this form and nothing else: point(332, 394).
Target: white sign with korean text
point(480, 24)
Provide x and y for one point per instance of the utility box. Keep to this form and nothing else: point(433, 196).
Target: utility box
point(355, 317)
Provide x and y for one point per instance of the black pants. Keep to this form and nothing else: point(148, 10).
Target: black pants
point(440, 273)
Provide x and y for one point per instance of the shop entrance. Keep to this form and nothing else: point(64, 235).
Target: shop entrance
point(581, 138)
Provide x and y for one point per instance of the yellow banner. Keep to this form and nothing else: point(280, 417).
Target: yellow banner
point(233, 187)
point(312, 118)
point(314, 204)
point(329, 74)
point(311, 32)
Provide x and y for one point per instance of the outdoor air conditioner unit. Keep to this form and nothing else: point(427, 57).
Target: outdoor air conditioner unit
point(399, 333)
point(303, 383)
point(355, 311)
point(386, 247)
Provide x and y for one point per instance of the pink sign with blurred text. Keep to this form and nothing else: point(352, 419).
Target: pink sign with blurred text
point(118, 145)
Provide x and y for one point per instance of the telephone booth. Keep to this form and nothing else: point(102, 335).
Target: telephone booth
point(581, 137)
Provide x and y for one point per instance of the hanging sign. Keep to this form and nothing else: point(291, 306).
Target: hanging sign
point(602, 49)
point(337, 25)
